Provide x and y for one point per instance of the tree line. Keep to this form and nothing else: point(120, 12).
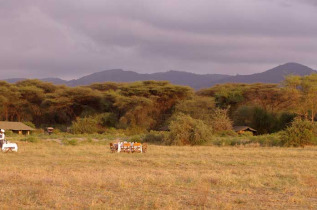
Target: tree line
point(157, 105)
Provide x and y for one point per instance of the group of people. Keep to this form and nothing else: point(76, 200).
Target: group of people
point(126, 147)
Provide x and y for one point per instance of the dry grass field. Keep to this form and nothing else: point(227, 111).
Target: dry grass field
point(48, 175)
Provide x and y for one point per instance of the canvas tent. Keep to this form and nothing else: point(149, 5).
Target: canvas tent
point(16, 127)
point(243, 129)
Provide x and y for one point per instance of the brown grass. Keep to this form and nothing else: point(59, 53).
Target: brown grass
point(48, 175)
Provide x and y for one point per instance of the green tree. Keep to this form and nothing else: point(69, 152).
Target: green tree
point(226, 95)
point(299, 134)
point(198, 107)
point(185, 130)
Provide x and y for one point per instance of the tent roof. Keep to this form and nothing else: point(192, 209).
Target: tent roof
point(15, 126)
point(243, 128)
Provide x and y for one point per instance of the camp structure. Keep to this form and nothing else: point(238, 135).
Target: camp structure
point(243, 129)
point(49, 130)
point(16, 127)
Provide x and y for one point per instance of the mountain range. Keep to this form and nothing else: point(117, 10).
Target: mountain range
point(196, 81)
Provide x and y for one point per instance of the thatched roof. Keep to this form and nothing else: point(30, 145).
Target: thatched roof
point(15, 126)
point(243, 128)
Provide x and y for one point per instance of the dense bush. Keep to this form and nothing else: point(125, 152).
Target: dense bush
point(285, 120)
point(227, 133)
point(220, 121)
point(87, 125)
point(246, 134)
point(31, 139)
point(157, 137)
point(136, 138)
point(10, 133)
point(299, 134)
point(268, 140)
point(263, 140)
point(198, 107)
point(262, 120)
point(108, 119)
point(229, 141)
point(184, 130)
point(243, 115)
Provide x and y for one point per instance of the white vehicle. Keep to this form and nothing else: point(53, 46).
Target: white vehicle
point(5, 145)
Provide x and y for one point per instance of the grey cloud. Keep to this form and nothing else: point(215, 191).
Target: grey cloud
point(313, 2)
point(69, 38)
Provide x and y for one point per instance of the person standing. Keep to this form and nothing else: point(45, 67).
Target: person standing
point(2, 137)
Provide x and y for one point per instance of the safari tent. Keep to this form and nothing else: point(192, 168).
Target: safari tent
point(243, 129)
point(16, 127)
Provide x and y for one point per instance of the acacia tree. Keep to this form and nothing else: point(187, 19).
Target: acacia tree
point(304, 93)
point(198, 107)
point(309, 89)
point(9, 100)
point(226, 95)
point(149, 103)
point(270, 97)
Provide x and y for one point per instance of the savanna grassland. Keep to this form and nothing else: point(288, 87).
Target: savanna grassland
point(50, 174)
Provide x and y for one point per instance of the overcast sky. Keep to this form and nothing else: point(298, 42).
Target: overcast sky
point(72, 38)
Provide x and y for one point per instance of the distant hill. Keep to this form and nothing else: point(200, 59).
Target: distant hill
point(196, 81)
point(176, 77)
point(113, 75)
point(274, 75)
point(14, 80)
point(56, 81)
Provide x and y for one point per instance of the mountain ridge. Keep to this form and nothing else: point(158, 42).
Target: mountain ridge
point(196, 81)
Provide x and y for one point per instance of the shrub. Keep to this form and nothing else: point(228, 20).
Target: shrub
point(134, 130)
point(246, 134)
point(108, 119)
point(268, 140)
point(136, 138)
point(31, 139)
point(86, 125)
point(226, 133)
point(243, 115)
point(299, 134)
point(286, 119)
point(38, 131)
point(263, 140)
point(10, 133)
point(229, 141)
point(220, 121)
point(72, 142)
point(157, 137)
point(184, 130)
point(264, 122)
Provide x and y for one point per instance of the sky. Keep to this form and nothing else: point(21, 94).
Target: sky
point(73, 38)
